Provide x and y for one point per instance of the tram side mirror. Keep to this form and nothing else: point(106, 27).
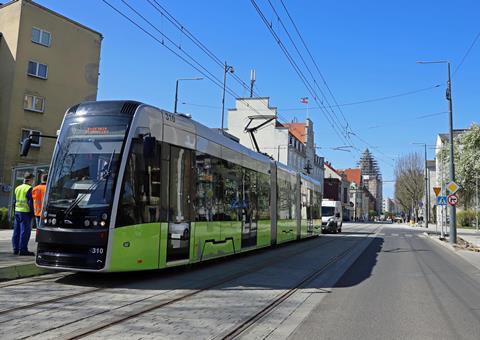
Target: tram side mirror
point(149, 143)
point(27, 142)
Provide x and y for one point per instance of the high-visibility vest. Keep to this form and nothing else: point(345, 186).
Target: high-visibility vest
point(21, 204)
point(38, 193)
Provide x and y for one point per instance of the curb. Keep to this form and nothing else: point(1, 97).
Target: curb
point(21, 271)
point(457, 251)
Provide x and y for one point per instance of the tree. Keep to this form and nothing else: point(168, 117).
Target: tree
point(409, 183)
point(467, 163)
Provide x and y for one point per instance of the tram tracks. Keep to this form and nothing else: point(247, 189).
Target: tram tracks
point(244, 325)
point(165, 300)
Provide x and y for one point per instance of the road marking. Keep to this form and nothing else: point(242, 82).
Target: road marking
point(394, 234)
point(408, 235)
point(381, 234)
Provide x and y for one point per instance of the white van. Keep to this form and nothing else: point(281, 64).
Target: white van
point(331, 216)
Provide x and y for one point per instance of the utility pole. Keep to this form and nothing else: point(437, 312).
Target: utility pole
point(453, 216)
point(253, 77)
point(427, 205)
point(226, 69)
point(476, 190)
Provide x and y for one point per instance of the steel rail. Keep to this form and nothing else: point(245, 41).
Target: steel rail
point(155, 306)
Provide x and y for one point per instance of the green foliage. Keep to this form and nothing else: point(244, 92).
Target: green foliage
point(4, 222)
point(467, 164)
point(372, 213)
point(466, 218)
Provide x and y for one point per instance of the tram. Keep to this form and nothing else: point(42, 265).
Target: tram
point(132, 187)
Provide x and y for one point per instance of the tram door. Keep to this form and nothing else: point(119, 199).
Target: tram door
point(180, 206)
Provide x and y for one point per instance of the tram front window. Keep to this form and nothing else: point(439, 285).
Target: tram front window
point(84, 171)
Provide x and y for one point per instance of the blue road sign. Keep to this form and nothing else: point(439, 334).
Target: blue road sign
point(441, 200)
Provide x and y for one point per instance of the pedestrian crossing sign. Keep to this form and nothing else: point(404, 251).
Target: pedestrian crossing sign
point(441, 200)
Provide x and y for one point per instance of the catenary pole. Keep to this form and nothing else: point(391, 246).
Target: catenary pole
point(453, 217)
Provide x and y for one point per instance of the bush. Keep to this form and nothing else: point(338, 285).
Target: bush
point(466, 218)
point(4, 222)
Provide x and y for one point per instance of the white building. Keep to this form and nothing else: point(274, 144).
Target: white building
point(442, 172)
point(289, 143)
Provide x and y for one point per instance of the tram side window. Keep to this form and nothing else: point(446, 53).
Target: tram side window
point(233, 198)
point(140, 196)
point(263, 182)
point(316, 205)
point(180, 184)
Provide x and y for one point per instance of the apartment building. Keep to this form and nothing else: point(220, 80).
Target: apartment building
point(47, 63)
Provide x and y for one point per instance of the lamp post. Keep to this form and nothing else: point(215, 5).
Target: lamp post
point(226, 69)
point(427, 205)
point(176, 91)
point(453, 217)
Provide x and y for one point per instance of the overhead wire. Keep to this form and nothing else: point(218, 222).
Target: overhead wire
point(200, 68)
point(467, 53)
point(184, 30)
point(299, 72)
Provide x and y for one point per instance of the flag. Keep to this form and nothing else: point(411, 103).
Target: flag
point(304, 100)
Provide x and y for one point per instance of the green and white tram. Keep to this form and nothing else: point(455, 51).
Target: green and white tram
point(133, 187)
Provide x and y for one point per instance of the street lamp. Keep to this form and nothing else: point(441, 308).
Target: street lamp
point(176, 91)
point(427, 203)
point(226, 69)
point(453, 217)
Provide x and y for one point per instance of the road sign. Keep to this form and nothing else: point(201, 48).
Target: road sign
point(441, 200)
point(437, 190)
point(452, 200)
point(452, 187)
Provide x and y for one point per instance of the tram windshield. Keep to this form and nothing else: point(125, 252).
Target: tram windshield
point(86, 163)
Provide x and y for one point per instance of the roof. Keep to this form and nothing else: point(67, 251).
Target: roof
point(297, 130)
point(353, 175)
point(456, 132)
point(52, 12)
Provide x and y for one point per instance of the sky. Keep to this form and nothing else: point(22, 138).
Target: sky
point(364, 50)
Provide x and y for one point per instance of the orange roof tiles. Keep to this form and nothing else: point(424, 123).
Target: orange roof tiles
point(353, 175)
point(297, 130)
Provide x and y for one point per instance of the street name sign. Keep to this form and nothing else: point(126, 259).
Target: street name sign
point(441, 200)
point(452, 187)
point(452, 200)
point(437, 190)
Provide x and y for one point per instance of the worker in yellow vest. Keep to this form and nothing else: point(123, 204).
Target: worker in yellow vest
point(38, 193)
point(23, 217)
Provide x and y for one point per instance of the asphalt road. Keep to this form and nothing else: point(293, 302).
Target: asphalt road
point(412, 289)
point(369, 282)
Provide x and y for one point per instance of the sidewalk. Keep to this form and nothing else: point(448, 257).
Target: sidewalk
point(14, 266)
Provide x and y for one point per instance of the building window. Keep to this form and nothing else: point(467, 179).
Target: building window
point(41, 37)
point(34, 103)
point(36, 139)
point(36, 69)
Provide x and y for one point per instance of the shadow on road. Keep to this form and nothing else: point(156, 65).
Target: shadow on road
point(270, 268)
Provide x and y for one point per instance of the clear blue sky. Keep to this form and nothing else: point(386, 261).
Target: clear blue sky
point(365, 49)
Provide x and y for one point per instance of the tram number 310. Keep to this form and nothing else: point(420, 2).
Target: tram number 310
point(96, 250)
point(170, 117)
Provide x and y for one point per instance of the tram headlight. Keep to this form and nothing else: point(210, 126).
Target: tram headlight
point(104, 216)
point(49, 221)
point(95, 223)
point(86, 223)
point(45, 221)
point(54, 221)
point(45, 214)
point(102, 223)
